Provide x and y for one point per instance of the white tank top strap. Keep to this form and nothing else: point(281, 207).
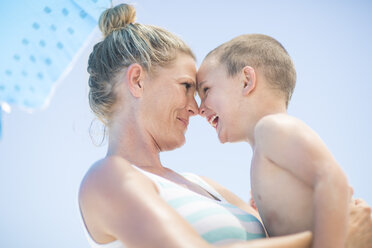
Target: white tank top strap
point(163, 183)
point(202, 183)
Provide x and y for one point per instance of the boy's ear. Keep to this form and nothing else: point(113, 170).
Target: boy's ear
point(249, 80)
point(135, 74)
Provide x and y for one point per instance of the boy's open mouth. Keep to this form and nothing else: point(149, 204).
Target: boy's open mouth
point(213, 120)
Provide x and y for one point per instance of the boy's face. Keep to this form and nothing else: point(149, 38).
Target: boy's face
point(220, 97)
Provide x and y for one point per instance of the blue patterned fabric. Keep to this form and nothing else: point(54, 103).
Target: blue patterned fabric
point(0, 125)
point(40, 40)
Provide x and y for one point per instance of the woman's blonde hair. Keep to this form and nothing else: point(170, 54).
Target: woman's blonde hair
point(126, 42)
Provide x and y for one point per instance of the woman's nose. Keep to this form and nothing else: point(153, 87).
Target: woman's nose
point(192, 107)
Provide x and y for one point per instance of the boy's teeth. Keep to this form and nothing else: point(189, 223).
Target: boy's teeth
point(212, 121)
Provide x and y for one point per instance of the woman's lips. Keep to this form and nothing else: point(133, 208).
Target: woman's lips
point(184, 121)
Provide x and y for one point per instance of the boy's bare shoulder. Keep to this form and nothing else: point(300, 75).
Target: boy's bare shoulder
point(277, 124)
point(283, 130)
point(289, 134)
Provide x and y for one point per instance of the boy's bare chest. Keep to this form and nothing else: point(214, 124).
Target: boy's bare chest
point(284, 202)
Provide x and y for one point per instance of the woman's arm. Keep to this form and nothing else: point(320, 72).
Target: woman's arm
point(298, 240)
point(120, 203)
point(359, 226)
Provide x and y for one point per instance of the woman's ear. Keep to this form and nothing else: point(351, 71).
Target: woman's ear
point(135, 74)
point(249, 80)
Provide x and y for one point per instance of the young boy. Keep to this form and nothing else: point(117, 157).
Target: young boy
point(245, 86)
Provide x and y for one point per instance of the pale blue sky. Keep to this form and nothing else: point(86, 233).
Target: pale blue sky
point(44, 155)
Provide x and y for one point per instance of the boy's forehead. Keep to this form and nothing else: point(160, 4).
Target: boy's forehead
point(209, 63)
point(207, 69)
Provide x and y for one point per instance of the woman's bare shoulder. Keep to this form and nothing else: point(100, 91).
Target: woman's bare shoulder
point(111, 191)
point(108, 169)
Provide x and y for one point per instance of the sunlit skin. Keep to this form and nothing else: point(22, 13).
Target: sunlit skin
point(117, 201)
point(292, 190)
point(169, 100)
point(157, 109)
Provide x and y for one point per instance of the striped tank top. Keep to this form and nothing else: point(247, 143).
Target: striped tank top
point(217, 222)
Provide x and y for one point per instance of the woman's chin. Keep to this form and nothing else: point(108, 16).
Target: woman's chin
point(173, 144)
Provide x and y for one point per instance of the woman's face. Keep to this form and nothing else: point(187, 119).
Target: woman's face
point(169, 102)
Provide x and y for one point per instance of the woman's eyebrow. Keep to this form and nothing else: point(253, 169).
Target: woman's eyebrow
point(190, 79)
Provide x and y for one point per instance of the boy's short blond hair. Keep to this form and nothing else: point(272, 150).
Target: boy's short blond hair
point(261, 52)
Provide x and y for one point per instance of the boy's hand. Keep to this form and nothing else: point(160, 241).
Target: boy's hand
point(360, 225)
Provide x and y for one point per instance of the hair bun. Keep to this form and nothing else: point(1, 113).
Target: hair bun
point(116, 18)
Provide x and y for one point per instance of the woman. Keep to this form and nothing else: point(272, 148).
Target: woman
point(142, 86)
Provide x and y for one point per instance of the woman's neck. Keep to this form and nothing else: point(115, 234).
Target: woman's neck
point(128, 140)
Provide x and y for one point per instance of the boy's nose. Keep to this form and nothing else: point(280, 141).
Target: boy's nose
point(202, 110)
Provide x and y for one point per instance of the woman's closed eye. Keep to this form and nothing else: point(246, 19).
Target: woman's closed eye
point(187, 85)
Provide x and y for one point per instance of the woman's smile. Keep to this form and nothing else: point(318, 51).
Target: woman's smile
point(184, 121)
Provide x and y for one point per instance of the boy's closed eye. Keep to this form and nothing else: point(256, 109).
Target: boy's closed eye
point(202, 91)
point(205, 90)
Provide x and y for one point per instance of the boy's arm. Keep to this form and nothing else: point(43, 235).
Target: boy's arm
point(293, 146)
